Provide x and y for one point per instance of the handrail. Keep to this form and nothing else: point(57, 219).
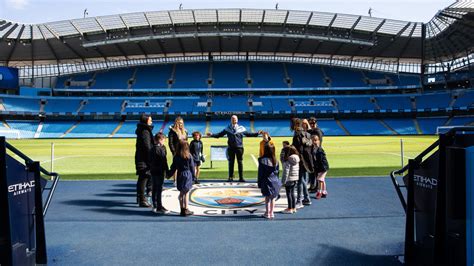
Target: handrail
point(418, 160)
point(55, 176)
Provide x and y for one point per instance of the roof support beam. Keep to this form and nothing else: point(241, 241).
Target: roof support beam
point(405, 45)
point(10, 31)
point(122, 51)
point(10, 53)
point(142, 50)
point(388, 44)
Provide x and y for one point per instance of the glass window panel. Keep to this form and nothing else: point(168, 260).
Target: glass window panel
point(275, 16)
point(87, 25)
point(37, 33)
point(135, 19)
point(368, 24)
point(321, 19)
point(252, 15)
point(344, 21)
point(111, 22)
point(408, 30)
point(229, 15)
point(203, 16)
point(392, 26)
point(47, 34)
point(62, 28)
point(15, 32)
point(26, 34)
point(158, 18)
point(298, 17)
point(182, 16)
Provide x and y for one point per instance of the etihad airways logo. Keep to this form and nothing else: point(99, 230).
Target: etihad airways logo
point(425, 182)
point(21, 188)
point(222, 199)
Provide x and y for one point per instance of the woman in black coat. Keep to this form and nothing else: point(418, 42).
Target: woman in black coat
point(144, 146)
point(302, 142)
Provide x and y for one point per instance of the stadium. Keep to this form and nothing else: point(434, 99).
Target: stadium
point(382, 90)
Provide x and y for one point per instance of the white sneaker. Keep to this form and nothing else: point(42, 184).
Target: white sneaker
point(299, 205)
point(287, 211)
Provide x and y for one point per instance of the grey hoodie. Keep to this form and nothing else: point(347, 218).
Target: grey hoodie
point(291, 169)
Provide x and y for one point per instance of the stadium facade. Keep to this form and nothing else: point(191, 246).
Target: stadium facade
point(359, 75)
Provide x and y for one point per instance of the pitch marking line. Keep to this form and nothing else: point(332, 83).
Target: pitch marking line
point(254, 159)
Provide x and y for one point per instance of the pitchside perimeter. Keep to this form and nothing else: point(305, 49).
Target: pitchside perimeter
point(97, 222)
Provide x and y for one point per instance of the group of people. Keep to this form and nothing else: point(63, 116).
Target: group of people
point(304, 163)
point(152, 165)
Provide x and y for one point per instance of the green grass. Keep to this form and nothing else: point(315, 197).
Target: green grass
point(114, 158)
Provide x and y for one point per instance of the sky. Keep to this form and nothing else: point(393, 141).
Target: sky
point(40, 11)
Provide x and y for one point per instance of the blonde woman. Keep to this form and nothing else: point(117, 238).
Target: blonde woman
point(177, 134)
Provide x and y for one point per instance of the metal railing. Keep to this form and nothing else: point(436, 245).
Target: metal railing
point(54, 176)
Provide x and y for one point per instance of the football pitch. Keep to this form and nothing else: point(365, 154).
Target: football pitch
point(83, 159)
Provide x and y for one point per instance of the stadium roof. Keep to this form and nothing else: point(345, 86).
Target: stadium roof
point(448, 34)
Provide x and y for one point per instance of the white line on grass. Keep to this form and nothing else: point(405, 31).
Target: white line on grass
point(254, 159)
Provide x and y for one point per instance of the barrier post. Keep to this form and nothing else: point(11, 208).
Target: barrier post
point(402, 155)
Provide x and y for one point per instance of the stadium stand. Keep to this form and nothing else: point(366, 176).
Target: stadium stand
point(428, 125)
point(92, 129)
point(398, 102)
point(229, 75)
point(152, 77)
point(116, 79)
point(304, 76)
point(26, 129)
point(62, 105)
point(462, 121)
point(365, 127)
point(259, 73)
point(275, 127)
point(232, 75)
point(102, 105)
point(402, 126)
point(356, 103)
point(230, 104)
point(340, 77)
point(191, 76)
point(433, 101)
point(330, 128)
point(55, 129)
point(21, 104)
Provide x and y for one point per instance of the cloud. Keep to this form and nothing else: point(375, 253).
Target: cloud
point(17, 4)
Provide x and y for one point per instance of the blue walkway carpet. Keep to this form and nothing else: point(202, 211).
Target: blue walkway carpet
point(98, 223)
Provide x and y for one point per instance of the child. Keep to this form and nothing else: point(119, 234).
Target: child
point(266, 140)
point(291, 169)
point(321, 166)
point(268, 169)
point(159, 168)
point(282, 158)
point(195, 147)
point(183, 164)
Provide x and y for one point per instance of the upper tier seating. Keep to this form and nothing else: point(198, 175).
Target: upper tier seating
point(233, 75)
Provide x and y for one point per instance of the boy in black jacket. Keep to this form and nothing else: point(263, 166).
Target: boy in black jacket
point(196, 150)
point(159, 169)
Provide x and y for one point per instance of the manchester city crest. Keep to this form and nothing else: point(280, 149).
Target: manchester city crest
point(223, 199)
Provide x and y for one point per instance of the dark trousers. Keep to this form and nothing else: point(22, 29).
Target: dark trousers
point(143, 179)
point(290, 194)
point(232, 153)
point(157, 189)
